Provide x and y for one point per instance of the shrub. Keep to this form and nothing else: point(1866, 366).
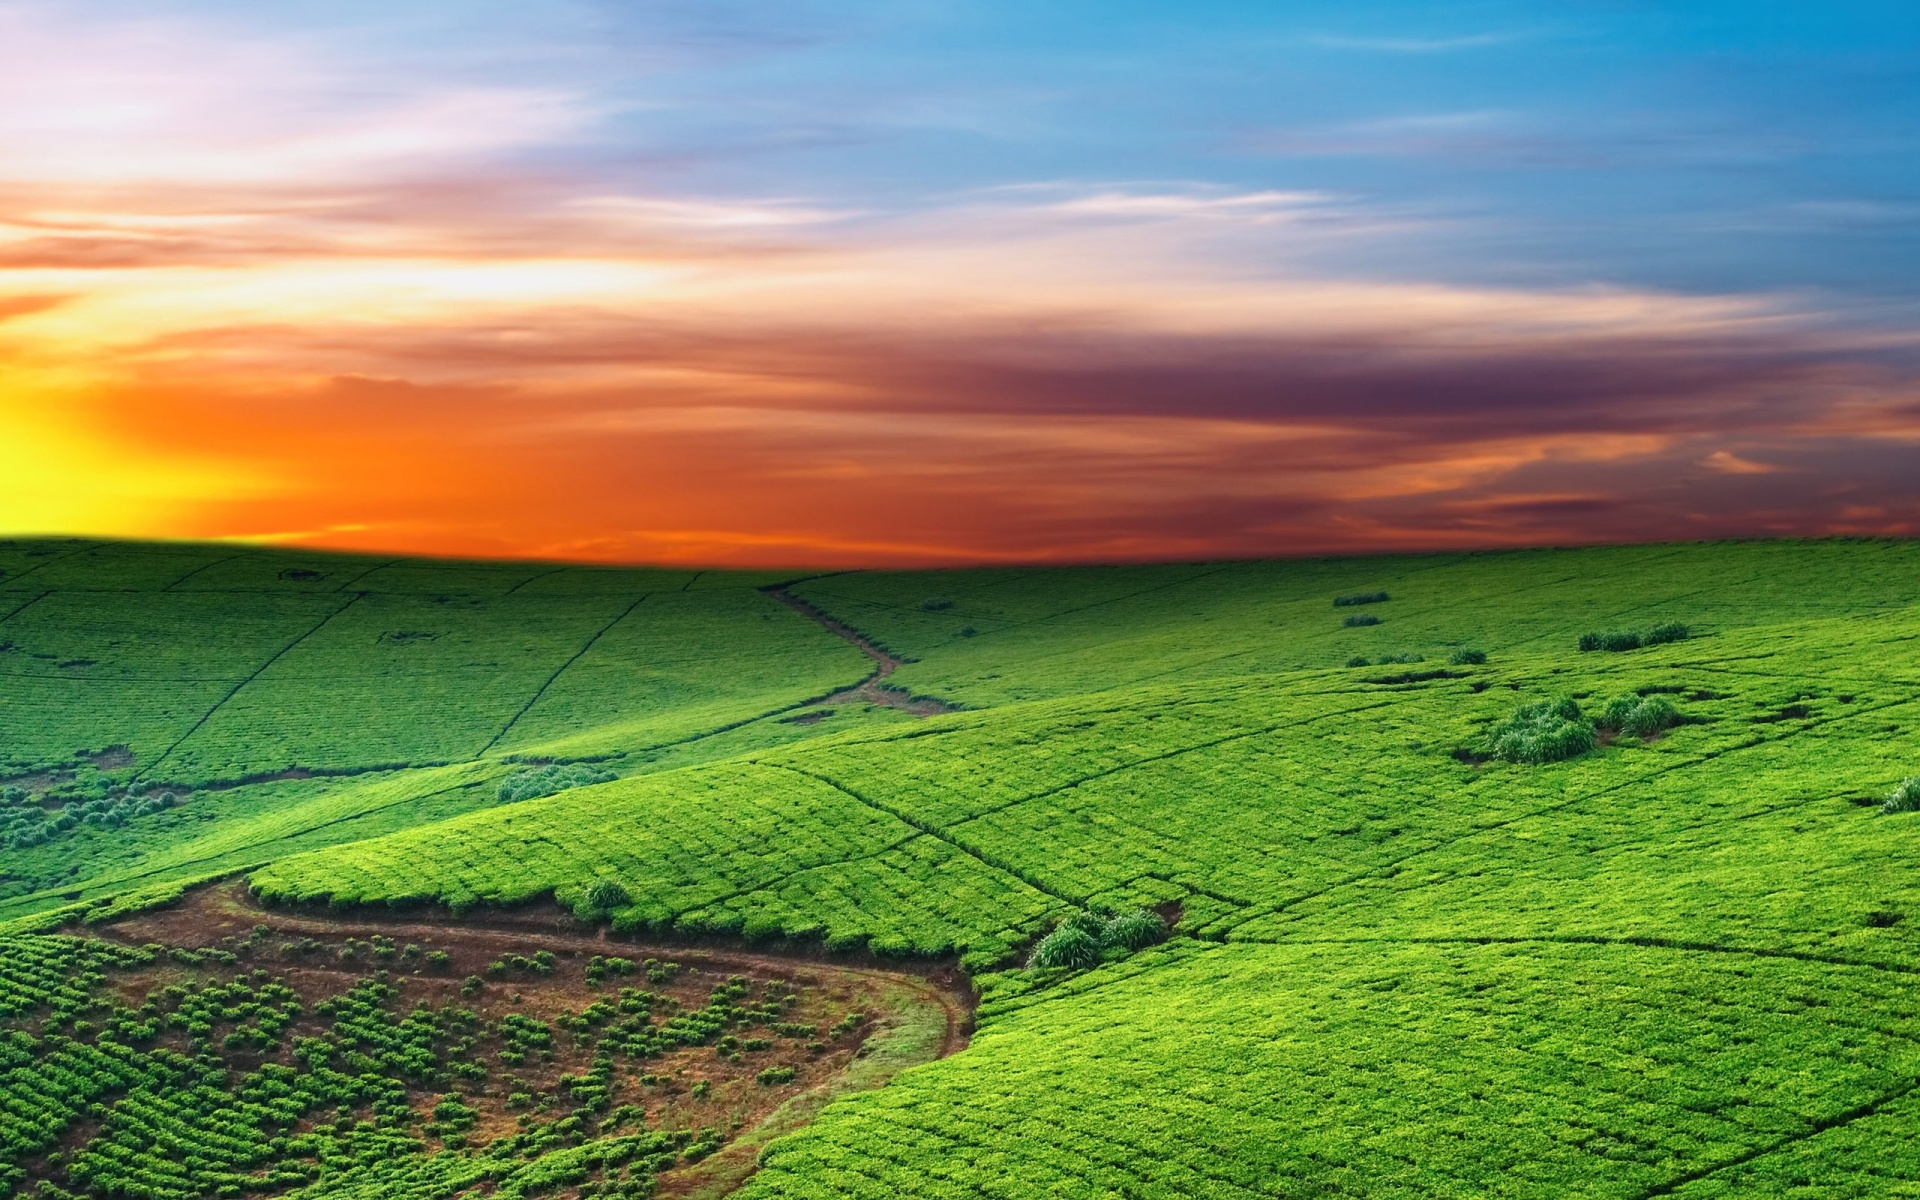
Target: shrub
point(601, 897)
point(1543, 732)
point(936, 604)
point(535, 782)
point(1905, 798)
point(1633, 639)
point(1091, 922)
point(1360, 598)
point(1359, 619)
point(1464, 657)
point(1134, 930)
point(1640, 716)
point(1067, 946)
point(1358, 661)
point(773, 1076)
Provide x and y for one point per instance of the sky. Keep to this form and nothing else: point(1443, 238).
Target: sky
point(917, 283)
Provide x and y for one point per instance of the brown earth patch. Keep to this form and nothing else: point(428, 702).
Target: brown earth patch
point(303, 947)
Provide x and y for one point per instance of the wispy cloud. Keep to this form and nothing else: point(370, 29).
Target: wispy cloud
point(1418, 45)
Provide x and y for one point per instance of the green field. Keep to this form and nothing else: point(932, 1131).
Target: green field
point(1680, 964)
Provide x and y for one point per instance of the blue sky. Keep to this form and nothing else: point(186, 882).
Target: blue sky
point(1701, 147)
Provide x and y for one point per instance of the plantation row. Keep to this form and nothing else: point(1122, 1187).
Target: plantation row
point(369, 678)
point(1237, 801)
point(1387, 1070)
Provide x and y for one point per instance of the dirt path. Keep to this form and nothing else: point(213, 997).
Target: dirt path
point(872, 689)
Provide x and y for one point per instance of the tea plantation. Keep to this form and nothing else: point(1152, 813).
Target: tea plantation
point(1575, 873)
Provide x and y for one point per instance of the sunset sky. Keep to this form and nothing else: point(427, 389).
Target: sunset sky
point(912, 282)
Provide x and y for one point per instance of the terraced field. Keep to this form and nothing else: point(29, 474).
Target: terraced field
point(1682, 962)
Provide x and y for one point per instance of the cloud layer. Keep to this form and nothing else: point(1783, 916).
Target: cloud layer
point(264, 297)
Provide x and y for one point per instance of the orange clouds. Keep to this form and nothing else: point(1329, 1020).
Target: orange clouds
point(222, 315)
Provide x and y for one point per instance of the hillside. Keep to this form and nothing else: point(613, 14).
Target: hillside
point(1678, 963)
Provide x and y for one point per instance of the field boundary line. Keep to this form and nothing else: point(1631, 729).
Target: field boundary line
point(56, 558)
point(1649, 839)
point(24, 607)
point(529, 579)
point(1814, 1129)
point(392, 562)
point(235, 689)
point(559, 671)
point(936, 833)
point(1548, 810)
point(1635, 941)
point(1069, 785)
point(202, 567)
point(301, 832)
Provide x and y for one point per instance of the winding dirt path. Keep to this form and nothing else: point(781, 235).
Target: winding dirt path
point(872, 689)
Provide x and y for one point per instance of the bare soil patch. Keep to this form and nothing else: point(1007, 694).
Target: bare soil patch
point(323, 954)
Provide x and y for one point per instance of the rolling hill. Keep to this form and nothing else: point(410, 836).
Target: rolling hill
point(1401, 957)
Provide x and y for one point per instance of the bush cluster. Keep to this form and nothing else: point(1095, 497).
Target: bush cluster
point(1358, 620)
point(1542, 732)
point(26, 821)
point(1464, 657)
point(603, 896)
point(1639, 716)
point(535, 782)
point(1905, 798)
point(1360, 598)
point(1634, 639)
point(1083, 939)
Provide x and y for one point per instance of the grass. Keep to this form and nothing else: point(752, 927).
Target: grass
point(1652, 936)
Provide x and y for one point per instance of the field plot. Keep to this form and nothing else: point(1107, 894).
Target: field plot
point(1378, 1071)
point(1562, 873)
point(236, 1054)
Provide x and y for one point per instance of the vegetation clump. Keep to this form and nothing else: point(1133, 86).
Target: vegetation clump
point(1359, 619)
point(1084, 938)
point(535, 782)
point(1542, 732)
point(1639, 716)
point(1905, 798)
point(1360, 598)
point(1633, 639)
point(1464, 657)
point(602, 897)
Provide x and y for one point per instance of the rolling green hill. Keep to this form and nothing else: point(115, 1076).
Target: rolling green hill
point(1684, 962)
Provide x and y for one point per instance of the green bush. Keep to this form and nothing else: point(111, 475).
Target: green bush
point(1464, 657)
point(1640, 716)
point(602, 897)
point(1134, 930)
point(1905, 798)
point(1360, 598)
point(1634, 639)
point(1359, 619)
point(1542, 732)
point(1067, 946)
point(535, 782)
point(1358, 661)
